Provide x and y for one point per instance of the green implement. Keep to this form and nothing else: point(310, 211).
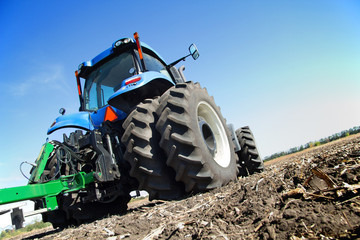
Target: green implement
point(49, 190)
point(40, 162)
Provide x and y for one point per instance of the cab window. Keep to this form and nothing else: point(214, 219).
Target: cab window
point(153, 64)
point(107, 79)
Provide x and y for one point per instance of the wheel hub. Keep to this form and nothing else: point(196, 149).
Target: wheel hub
point(207, 135)
point(214, 134)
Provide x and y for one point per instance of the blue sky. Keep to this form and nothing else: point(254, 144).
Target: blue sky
point(288, 69)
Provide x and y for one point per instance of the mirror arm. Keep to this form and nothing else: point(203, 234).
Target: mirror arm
point(177, 61)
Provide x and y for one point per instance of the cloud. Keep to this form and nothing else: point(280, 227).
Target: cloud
point(47, 78)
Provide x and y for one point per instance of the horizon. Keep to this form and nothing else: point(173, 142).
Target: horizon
point(304, 146)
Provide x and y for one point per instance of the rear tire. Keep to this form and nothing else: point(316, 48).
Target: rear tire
point(249, 157)
point(195, 138)
point(145, 156)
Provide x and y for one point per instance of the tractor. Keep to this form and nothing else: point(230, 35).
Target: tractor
point(141, 126)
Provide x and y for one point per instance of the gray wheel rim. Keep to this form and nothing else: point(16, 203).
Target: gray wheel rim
point(214, 134)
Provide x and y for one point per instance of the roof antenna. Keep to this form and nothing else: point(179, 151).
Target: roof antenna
point(136, 36)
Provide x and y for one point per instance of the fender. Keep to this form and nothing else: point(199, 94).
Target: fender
point(80, 120)
point(138, 81)
point(137, 88)
point(85, 120)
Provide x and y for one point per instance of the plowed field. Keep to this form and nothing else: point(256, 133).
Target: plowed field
point(312, 194)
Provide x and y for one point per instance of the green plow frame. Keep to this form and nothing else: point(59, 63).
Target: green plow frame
point(48, 190)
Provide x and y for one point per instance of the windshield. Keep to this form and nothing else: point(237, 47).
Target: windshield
point(153, 64)
point(107, 79)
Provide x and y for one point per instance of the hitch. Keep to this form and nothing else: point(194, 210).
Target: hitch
point(48, 191)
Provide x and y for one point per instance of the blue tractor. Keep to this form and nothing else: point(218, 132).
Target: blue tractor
point(142, 126)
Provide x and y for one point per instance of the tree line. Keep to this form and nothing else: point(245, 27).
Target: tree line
point(311, 144)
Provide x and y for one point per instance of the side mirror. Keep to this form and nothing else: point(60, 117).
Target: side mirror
point(62, 111)
point(194, 51)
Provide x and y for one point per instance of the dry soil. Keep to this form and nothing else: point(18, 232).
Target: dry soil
point(313, 194)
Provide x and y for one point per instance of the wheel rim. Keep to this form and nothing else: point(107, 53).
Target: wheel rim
point(207, 135)
point(214, 134)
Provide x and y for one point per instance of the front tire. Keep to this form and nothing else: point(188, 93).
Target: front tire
point(195, 138)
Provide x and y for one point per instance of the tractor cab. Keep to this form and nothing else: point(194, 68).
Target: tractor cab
point(118, 68)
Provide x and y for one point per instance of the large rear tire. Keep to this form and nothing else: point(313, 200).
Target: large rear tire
point(195, 138)
point(249, 157)
point(145, 156)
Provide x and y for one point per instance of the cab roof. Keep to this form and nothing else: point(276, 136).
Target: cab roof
point(119, 44)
